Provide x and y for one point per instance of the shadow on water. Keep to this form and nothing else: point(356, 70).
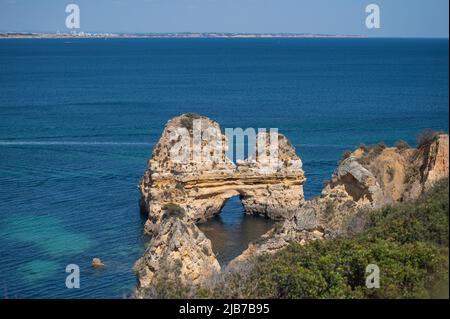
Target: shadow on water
point(232, 230)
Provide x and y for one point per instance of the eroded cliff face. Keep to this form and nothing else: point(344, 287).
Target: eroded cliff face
point(197, 181)
point(433, 161)
point(201, 180)
point(178, 252)
point(369, 177)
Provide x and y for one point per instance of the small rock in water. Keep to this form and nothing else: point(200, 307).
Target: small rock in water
point(97, 263)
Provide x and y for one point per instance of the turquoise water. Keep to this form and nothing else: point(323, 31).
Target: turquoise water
point(78, 121)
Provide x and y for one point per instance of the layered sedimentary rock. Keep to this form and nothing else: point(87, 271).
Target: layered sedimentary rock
point(369, 177)
point(196, 188)
point(432, 160)
point(201, 179)
point(179, 252)
point(190, 173)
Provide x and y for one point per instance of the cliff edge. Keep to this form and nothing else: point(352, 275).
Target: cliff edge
point(189, 178)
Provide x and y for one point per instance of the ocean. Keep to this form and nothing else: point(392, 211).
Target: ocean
point(79, 118)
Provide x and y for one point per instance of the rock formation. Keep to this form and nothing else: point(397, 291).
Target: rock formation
point(369, 177)
point(201, 180)
point(97, 263)
point(197, 181)
point(179, 251)
point(179, 193)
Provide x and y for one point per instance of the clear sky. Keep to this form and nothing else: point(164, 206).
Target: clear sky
point(399, 18)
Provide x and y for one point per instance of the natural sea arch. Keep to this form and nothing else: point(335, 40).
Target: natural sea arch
point(232, 230)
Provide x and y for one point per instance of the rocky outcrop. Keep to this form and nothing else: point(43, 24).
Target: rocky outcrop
point(190, 173)
point(97, 263)
point(432, 160)
point(179, 252)
point(184, 185)
point(369, 177)
point(288, 231)
point(189, 167)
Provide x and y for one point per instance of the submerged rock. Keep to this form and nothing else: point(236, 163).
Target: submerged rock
point(97, 263)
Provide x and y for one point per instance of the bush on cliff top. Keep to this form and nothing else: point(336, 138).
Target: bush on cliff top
point(427, 136)
point(371, 152)
point(187, 120)
point(402, 145)
point(173, 210)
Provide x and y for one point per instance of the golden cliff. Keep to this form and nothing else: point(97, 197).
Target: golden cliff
point(202, 185)
point(369, 177)
point(177, 194)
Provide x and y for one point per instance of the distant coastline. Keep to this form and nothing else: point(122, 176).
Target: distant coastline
point(176, 35)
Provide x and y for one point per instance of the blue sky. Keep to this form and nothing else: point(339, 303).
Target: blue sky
point(399, 18)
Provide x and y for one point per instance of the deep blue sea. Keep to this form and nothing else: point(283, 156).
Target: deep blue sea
point(78, 119)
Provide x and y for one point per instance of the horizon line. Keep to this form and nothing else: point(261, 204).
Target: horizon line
point(204, 34)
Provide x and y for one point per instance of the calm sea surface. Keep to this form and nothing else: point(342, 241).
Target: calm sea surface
point(78, 119)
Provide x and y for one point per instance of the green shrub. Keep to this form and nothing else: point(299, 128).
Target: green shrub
point(372, 151)
point(346, 154)
point(402, 145)
point(427, 136)
point(179, 185)
point(377, 148)
point(336, 269)
point(424, 220)
point(409, 243)
point(173, 210)
point(187, 120)
point(363, 147)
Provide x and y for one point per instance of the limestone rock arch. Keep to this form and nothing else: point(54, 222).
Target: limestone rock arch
point(201, 187)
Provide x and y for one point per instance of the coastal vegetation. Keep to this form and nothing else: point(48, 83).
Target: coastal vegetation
point(187, 121)
point(407, 241)
point(427, 136)
point(379, 228)
point(173, 210)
